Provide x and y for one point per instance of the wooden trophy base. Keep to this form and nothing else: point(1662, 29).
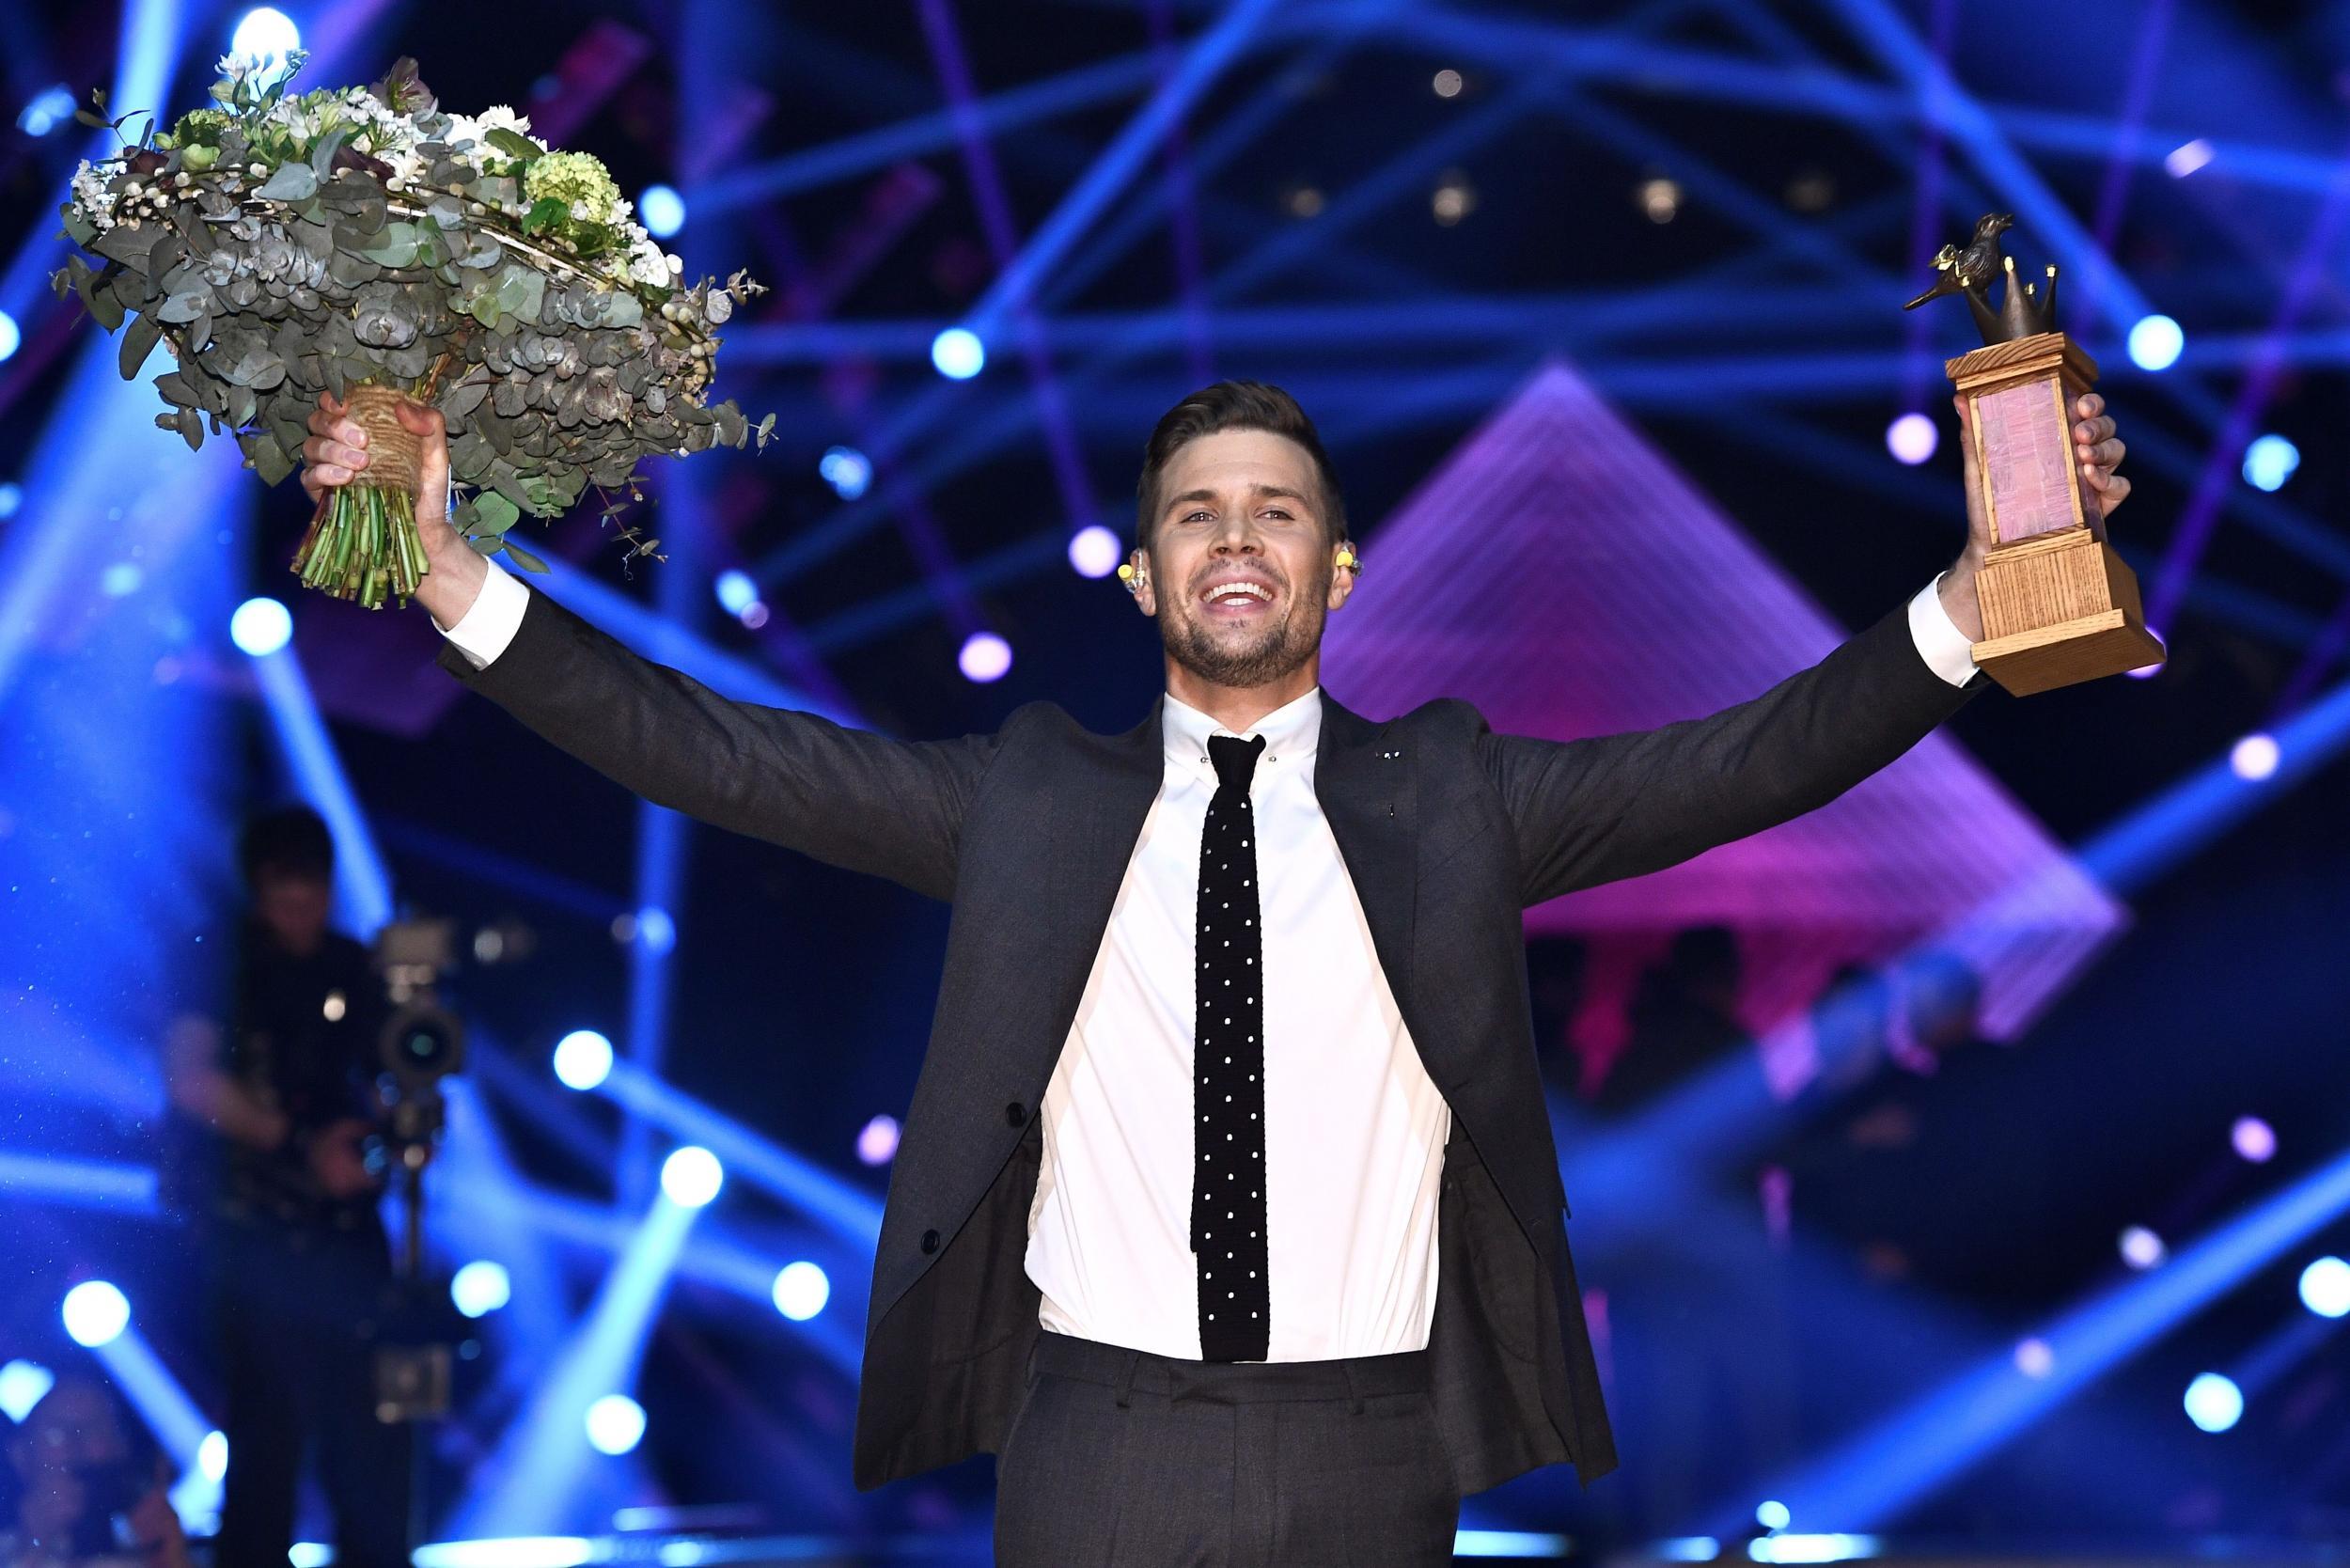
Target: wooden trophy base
point(2060, 608)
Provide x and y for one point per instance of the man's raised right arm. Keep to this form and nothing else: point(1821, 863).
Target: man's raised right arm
point(845, 796)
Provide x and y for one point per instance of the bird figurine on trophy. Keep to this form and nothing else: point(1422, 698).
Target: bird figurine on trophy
point(2058, 605)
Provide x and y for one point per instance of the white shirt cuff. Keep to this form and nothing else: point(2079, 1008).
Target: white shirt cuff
point(482, 631)
point(1947, 651)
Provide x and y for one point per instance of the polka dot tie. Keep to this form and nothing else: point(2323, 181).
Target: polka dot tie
point(1227, 1209)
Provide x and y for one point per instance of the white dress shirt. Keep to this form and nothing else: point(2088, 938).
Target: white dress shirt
point(1354, 1130)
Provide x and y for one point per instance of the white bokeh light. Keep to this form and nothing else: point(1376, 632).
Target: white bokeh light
point(958, 354)
point(1093, 550)
point(985, 657)
point(616, 1424)
point(691, 1177)
point(2254, 758)
point(96, 1313)
point(261, 627)
point(801, 1291)
point(265, 33)
point(583, 1060)
point(1912, 438)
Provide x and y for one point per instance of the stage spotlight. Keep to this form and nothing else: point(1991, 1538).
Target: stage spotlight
point(1093, 550)
point(2326, 1288)
point(2140, 1247)
point(266, 33)
point(1912, 438)
point(120, 580)
point(692, 1176)
point(1304, 201)
point(1447, 82)
point(2185, 158)
point(985, 657)
point(1455, 199)
point(96, 1313)
point(2155, 343)
point(260, 626)
point(847, 470)
point(616, 1424)
point(2213, 1402)
point(49, 109)
point(1660, 200)
point(12, 499)
point(11, 337)
point(2269, 462)
point(583, 1060)
point(958, 354)
point(801, 1291)
point(736, 591)
point(2035, 1358)
point(655, 928)
point(480, 1288)
point(22, 1385)
point(662, 210)
point(2254, 758)
point(878, 1141)
point(754, 616)
point(1771, 1514)
point(2255, 1139)
point(212, 1456)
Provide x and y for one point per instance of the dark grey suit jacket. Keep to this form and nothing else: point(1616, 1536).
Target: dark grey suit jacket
point(1449, 831)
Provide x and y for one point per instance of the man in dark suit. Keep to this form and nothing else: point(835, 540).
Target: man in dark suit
point(1235, 1023)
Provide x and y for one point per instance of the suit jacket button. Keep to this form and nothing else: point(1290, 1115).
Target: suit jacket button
point(930, 1242)
point(1014, 1114)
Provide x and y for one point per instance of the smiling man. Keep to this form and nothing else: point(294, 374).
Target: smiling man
point(1226, 1212)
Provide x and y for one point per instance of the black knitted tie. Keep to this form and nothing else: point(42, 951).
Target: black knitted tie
point(1227, 1209)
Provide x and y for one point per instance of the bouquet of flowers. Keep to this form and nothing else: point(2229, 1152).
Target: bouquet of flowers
point(361, 242)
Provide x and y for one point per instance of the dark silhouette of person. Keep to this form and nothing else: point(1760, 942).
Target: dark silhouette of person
point(300, 1265)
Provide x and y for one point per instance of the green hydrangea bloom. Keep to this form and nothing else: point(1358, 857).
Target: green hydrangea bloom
point(202, 128)
point(570, 177)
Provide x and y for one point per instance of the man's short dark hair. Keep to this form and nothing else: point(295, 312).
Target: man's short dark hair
point(1233, 405)
point(291, 841)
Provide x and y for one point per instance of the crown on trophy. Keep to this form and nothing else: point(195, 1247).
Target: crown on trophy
point(2024, 309)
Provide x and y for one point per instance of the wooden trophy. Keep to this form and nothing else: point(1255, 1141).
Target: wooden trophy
point(2058, 606)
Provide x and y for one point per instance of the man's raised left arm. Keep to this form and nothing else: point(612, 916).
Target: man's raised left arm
point(1596, 811)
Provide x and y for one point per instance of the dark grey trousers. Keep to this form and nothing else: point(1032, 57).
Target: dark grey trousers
point(1120, 1459)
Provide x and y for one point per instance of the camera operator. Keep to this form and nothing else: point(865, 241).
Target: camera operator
point(89, 1491)
point(300, 1267)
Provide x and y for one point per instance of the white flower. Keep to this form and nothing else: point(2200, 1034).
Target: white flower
point(647, 265)
point(90, 197)
point(499, 116)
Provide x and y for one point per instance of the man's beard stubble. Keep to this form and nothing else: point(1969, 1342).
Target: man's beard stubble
point(1274, 653)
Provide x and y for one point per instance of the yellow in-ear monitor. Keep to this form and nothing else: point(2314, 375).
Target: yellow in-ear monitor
point(1350, 560)
point(1125, 571)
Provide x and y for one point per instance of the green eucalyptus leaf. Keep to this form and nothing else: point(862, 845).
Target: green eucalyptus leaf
point(291, 182)
point(524, 558)
point(514, 144)
point(137, 343)
point(323, 153)
point(493, 513)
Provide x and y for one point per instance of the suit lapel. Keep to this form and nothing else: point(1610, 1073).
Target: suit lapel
point(1364, 783)
point(1090, 814)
